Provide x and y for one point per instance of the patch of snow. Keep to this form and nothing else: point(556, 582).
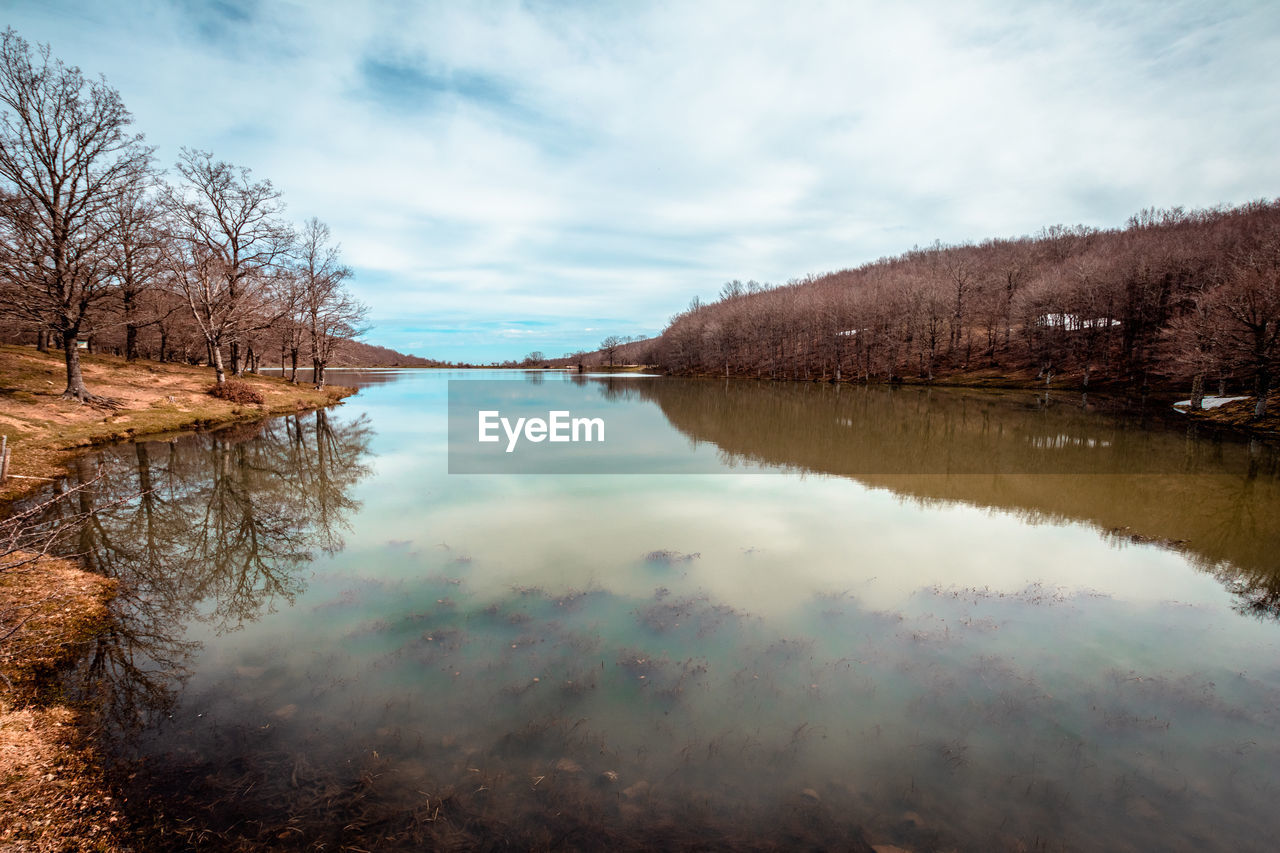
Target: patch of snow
point(1208, 402)
point(1074, 322)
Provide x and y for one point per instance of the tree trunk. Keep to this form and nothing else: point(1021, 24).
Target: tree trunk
point(75, 380)
point(144, 469)
point(42, 340)
point(1262, 387)
point(235, 358)
point(217, 363)
point(1197, 392)
point(293, 365)
point(130, 329)
point(319, 374)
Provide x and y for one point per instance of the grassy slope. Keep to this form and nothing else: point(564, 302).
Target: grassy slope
point(45, 430)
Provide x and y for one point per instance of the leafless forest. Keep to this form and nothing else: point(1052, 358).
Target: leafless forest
point(1176, 298)
point(102, 250)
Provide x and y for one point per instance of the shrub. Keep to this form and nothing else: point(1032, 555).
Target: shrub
point(237, 391)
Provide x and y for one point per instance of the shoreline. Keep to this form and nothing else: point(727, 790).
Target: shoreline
point(1233, 418)
point(45, 432)
point(51, 782)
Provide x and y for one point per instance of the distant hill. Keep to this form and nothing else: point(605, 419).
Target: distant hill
point(357, 354)
point(643, 351)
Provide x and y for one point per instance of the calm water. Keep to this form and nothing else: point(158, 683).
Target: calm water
point(896, 618)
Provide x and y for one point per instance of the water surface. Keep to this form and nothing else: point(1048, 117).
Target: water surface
point(895, 617)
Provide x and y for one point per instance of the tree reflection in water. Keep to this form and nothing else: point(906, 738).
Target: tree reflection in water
point(216, 527)
point(1131, 475)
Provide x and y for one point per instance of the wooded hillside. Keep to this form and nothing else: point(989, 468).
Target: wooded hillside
point(1176, 296)
point(360, 354)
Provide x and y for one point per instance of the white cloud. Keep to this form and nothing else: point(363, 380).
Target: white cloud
point(603, 163)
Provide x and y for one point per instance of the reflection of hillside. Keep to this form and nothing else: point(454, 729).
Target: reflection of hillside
point(351, 377)
point(215, 526)
point(1006, 451)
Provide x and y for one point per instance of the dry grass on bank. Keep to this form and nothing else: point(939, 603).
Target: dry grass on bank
point(1239, 416)
point(52, 795)
point(45, 430)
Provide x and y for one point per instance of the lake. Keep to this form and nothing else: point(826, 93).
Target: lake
point(786, 615)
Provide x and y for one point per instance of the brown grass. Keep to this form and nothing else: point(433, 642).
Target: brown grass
point(1239, 415)
point(52, 794)
point(54, 606)
point(45, 430)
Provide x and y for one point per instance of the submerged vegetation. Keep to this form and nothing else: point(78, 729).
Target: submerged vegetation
point(601, 729)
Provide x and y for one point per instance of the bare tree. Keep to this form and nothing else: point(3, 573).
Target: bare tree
point(290, 327)
point(65, 156)
point(199, 278)
point(136, 259)
point(1193, 345)
point(231, 230)
point(330, 313)
point(1247, 316)
point(609, 346)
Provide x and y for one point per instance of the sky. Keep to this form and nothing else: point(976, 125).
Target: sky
point(506, 177)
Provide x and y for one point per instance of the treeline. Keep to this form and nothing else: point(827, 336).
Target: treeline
point(614, 350)
point(101, 249)
point(1177, 296)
